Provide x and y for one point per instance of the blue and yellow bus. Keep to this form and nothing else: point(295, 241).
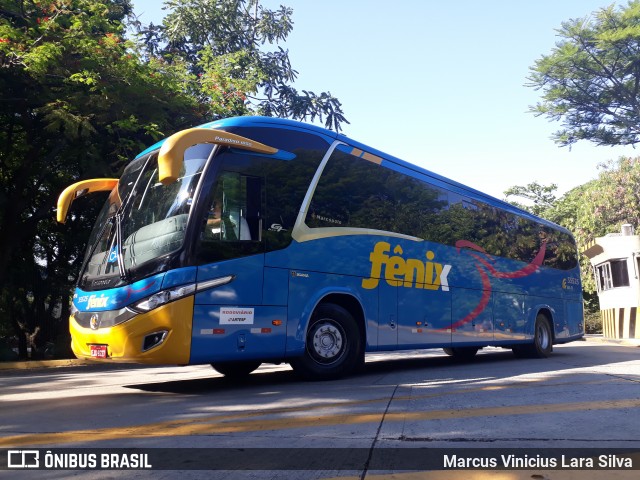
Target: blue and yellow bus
point(252, 239)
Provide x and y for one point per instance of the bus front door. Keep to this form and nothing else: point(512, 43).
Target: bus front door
point(230, 321)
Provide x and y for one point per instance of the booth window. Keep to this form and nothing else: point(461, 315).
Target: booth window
point(612, 274)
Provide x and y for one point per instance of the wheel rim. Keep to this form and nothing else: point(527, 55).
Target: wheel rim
point(544, 338)
point(327, 342)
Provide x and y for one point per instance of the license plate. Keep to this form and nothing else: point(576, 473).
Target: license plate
point(98, 351)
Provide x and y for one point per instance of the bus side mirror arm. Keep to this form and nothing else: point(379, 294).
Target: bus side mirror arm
point(80, 189)
point(171, 154)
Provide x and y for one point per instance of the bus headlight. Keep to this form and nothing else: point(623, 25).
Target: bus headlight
point(163, 297)
point(171, 294)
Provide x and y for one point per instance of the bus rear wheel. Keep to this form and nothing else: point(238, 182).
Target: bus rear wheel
point(461, 353)
point(542, 345)
point(236, 369)
point(333, 347)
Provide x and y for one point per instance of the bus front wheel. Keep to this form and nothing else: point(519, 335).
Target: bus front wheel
point(333, 345)
point(236, 369)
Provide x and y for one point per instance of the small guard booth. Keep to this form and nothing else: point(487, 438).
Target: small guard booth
point(615, 260)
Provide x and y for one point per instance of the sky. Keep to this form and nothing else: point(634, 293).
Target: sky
point(441, 84)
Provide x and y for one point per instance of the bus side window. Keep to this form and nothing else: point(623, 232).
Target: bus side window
point(235, 212)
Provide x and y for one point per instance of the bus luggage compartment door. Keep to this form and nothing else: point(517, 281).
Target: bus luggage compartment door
point(472, 316)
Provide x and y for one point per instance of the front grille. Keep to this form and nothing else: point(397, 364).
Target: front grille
point(104, 319)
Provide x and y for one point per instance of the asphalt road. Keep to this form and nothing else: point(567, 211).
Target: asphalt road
point(586, 395)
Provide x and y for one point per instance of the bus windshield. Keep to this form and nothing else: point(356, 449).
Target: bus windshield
point(152, 218)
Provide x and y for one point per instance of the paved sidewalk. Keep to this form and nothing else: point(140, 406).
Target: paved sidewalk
point(627, 342)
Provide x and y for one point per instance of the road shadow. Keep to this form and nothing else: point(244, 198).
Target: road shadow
point(392, 364)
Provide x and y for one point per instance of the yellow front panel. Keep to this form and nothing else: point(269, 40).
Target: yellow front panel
point(126, 339)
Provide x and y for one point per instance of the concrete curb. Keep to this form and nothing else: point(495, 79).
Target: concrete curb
point(44, 364)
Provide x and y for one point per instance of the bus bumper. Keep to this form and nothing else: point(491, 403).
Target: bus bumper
point(126, 342)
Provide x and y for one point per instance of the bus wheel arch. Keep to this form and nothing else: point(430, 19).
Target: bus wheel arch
point(352, 305)
point(334, 339)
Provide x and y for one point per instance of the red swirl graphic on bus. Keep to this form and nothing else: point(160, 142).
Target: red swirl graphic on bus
point(484, 266)
point(133, 291)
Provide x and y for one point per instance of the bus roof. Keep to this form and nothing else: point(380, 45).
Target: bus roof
point(330, 136)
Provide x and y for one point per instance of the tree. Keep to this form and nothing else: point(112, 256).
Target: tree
point(602, 206)
point(590, 82)
point(223, 42)
point(79, 99)
point(595, 209)
point(541, 196)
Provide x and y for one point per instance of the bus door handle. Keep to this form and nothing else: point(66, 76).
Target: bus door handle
point(392, 322)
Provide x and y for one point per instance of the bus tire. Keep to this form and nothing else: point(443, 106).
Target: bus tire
point(461, 353)
point(236, 369)
point(333, 345)
point(542, 345)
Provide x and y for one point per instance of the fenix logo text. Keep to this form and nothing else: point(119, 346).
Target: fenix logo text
point(410, 272)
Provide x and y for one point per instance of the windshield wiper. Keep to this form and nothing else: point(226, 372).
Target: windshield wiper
point(108, 222)
point(124, 274)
